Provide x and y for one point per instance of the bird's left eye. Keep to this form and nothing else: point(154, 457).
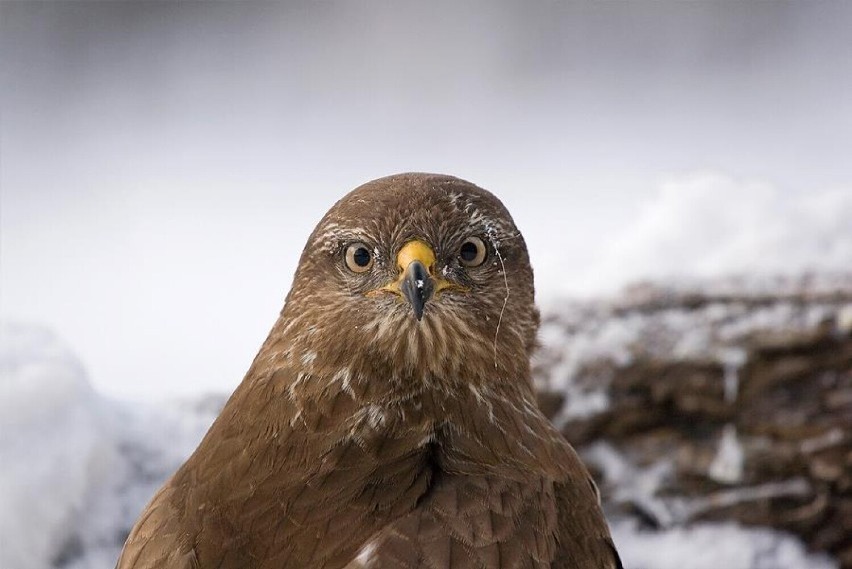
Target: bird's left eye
point(358, 258)
point(472, 252)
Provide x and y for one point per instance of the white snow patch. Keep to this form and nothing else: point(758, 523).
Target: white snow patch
point(708, 224)
point(733, 359)
point(55, 446)
point(77, 468)
point(727, 465)
point(844, 319)
point(712, 546)
point(633, 485)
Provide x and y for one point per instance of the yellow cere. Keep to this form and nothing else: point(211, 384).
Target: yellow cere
point(416, 251)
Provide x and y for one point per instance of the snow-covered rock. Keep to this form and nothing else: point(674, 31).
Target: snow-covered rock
point(722, 401)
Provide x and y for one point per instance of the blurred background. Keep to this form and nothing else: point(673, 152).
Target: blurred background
point(681, 172)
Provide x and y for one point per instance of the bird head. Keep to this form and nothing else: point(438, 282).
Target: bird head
point(425, 272)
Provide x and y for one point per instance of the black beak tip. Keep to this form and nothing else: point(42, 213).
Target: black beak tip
point(417, 287)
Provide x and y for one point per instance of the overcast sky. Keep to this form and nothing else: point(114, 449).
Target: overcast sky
point(161, 164)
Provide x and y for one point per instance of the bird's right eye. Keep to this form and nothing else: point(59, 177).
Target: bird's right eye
point(358, 258)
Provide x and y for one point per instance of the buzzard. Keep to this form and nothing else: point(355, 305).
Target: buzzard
point(389, 419)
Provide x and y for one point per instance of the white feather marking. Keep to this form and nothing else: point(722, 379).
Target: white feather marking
point(366, 554)
point(308, 358)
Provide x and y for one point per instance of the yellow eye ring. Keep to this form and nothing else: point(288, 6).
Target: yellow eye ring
point(358, 258)
point(472, 252)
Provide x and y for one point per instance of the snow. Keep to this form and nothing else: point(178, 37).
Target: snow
point(727, 465)
point(712, 546)
point(53, 448)
point(733, 359)
point(844, 319)
point(77, 467)
point(706, 224)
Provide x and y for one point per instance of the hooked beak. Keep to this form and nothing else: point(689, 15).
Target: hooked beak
point(417, 287)
point(416, 283)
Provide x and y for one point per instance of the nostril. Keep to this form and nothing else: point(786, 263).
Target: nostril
point(419, 273)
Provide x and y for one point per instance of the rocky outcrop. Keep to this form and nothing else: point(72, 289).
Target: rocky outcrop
point(704, 406)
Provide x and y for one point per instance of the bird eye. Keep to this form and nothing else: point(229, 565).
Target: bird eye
point(358, 258)
point(472, 252)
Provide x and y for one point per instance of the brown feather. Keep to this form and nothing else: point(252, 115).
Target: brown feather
point(361, 436)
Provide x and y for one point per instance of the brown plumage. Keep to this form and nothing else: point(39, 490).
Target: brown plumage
point(389, 419)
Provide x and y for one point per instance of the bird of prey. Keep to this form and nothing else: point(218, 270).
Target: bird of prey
point(389, 419)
